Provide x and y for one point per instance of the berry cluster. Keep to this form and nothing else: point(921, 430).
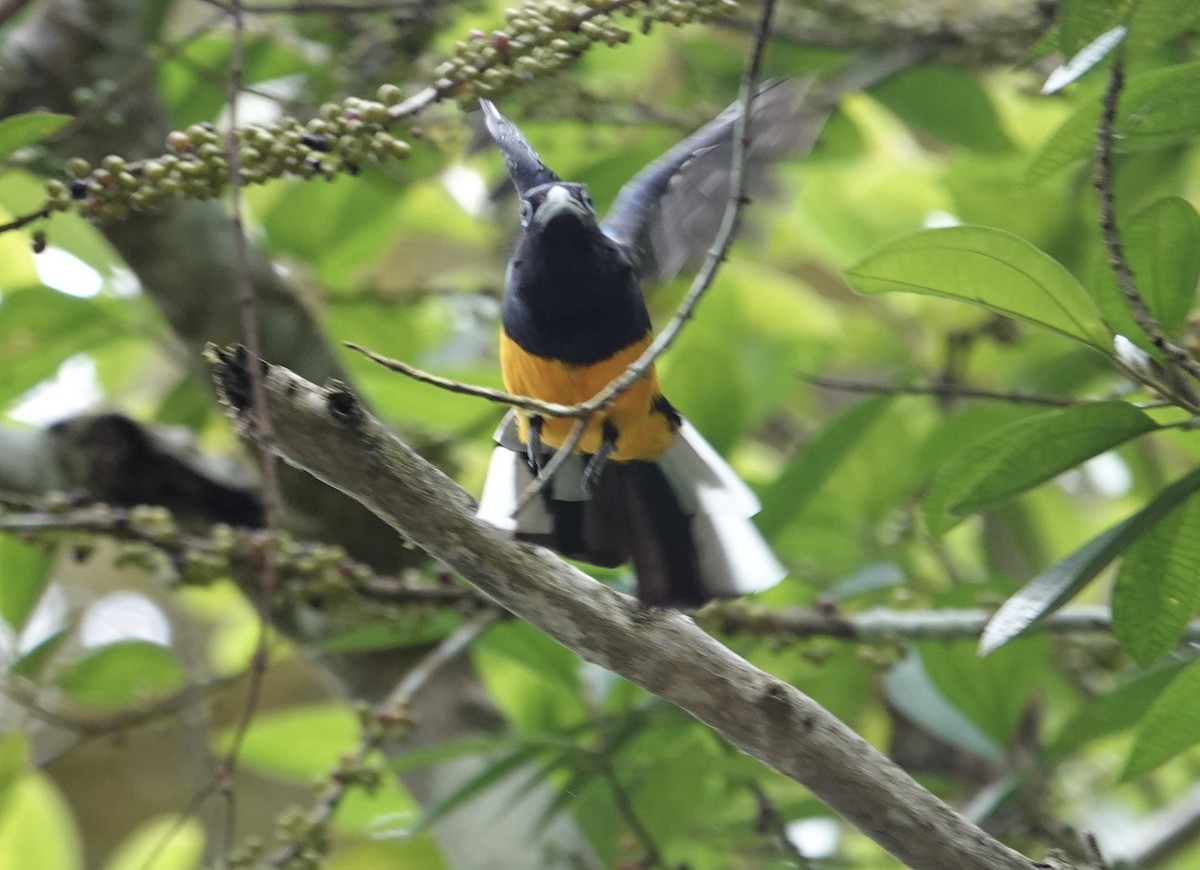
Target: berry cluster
point(542, 38)
point(196, 162)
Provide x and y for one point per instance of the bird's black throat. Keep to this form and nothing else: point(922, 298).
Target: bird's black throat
point(572, 294)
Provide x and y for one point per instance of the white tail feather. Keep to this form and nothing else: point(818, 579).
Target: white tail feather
point(734, 558)
point(508, 476)
point(732, 555)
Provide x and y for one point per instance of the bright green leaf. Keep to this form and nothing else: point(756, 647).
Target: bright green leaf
point(14, 764)
point(297, 744)
point(1081, 21)
point(37, 830)
point(405, 630)
point(411, 853)
point(17, 131)
point(910, 688)
point(1158, 108)
point(992, 692)
point(31, 663)
point(24, 573)
point(1154, 22)
point(989, 268)
point(1156, 593)
point(1162, 245)
point(1025, 454)
point(1121, 708)
point(802, 478)
point(40, 328)
point(1055, 586)
point(162, 843)
point(1171, 725)
point(123, 673)
point(951, 104)
point(534, 650)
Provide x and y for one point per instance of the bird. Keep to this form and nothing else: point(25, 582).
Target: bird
point(642, 484)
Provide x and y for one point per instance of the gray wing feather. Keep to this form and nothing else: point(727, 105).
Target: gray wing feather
point(669, 213)
point(525, 168)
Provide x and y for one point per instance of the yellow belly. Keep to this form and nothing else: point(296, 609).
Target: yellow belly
point(643, 432)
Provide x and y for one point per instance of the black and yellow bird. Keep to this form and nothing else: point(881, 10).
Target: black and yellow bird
point(642, 484)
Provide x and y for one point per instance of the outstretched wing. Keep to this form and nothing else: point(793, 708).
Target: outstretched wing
point(669, 213)
point(525, 168)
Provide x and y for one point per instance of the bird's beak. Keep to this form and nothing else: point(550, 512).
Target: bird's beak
point(558, 202)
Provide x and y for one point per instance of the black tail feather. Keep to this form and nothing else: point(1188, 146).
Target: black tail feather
point(664, 551)
point(632, 513)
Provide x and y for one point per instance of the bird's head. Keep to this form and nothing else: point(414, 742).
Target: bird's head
point(549, 203)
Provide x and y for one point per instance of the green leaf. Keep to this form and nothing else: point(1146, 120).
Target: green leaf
point(495, 771)
point(988, 268)
point(521, 643)
point(17, 131)
point(14, 764)
point(123, 673)
point(1115, 711)
point(162, 843)
point(786, 498)
point(1025, 454)
point(951, 104)
point(298, 744)
point(1157, 109)
point(30, 664)
point(1156, 592)
point(446, 751)
point(1051, 589)
point(1162, 244)
point(405, 630)
point(37, 830)
point(910, 688)
point(1171, 725)
point(24, 573)
point(40, 328)
point(992, 692)
point(1081, 21)
point(1154, 22)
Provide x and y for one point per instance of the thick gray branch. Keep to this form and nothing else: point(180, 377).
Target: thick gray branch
point(328, 433)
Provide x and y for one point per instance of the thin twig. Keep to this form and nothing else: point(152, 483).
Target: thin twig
point(26, 219)
point(393, 708)
point(771, 821)
point(248, 545)
point(525, 403)
point(551, 468)
point(652, 854)
point(940, 390)
point(247, 305)
point(1109, 230)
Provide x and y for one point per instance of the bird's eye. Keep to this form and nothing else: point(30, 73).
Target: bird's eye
point(526, 212)
point(585, 197)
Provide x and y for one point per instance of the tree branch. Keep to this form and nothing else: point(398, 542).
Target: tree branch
point(882, 626)
point(328, 432)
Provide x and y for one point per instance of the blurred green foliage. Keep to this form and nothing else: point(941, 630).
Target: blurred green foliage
point(960, 204)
